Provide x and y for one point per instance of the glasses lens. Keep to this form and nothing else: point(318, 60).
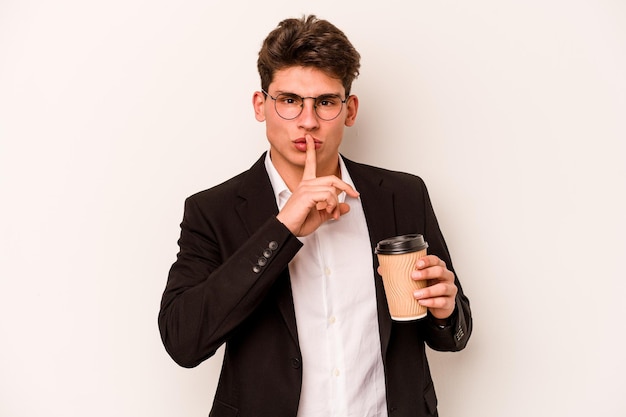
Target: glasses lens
point(288, 106)
point(328, 107)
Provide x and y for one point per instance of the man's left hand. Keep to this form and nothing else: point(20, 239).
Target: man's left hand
point(440, 294)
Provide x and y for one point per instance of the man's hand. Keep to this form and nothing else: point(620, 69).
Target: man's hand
point(315, 200)
point(440, 295)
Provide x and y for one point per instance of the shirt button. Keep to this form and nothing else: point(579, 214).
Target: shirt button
point(332, 319)
point(336, 372)
point(327, 271)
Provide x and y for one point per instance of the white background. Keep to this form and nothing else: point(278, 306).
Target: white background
point(111, 113)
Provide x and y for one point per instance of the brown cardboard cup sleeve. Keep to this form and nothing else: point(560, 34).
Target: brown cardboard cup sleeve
point(397, 257)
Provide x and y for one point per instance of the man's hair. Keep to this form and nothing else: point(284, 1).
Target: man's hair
point(308, 42)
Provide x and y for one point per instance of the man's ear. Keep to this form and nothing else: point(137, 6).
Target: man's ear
point(258, 102)
point(352, 106)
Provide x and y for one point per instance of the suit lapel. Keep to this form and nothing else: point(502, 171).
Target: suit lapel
point(256, 198)
point(256, 205)
point(377, 202)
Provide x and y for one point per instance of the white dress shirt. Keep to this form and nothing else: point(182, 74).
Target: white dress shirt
point(335, 304)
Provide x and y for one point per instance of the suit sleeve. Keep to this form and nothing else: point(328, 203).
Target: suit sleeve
point(210, 291)
point(455, 335)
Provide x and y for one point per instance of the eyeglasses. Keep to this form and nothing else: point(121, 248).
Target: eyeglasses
point(289, 105)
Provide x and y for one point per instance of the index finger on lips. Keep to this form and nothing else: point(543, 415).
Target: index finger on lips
point(310, 163)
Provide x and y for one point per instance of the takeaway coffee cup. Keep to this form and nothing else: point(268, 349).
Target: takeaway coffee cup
point(397, 257)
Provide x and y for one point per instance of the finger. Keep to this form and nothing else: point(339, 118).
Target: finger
point(438, 272)
point(324, 196)
point(342, 208)
point(333, 208)
point(334, 185)
point(310, 163)
point(336, 212)
point(341, 186)
point(428, 261)
point(347, 189)
point(438, 303)
point(440, 290)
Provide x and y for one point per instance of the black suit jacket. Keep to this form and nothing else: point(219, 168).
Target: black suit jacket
point(230, 284)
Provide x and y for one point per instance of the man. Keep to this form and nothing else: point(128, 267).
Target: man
point(278, 263)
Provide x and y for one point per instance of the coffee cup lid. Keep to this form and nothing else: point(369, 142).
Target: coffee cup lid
point(401, 244)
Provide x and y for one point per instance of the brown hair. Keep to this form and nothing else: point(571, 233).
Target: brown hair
point(308, 42)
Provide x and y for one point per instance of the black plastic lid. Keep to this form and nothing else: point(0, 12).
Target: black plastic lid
point(401, 244)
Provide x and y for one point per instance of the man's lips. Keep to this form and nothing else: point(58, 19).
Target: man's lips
point(300, 144)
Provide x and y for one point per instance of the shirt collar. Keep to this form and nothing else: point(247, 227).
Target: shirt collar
point(282, 193)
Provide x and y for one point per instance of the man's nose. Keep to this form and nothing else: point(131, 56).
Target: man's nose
point(308, 117)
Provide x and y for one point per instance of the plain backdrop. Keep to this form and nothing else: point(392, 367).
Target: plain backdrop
point(111, 113)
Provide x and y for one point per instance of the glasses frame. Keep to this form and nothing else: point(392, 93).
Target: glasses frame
point(302, 106)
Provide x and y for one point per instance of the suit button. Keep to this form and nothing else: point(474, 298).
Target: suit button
point(267, 253)
point(295, 363)
point(273, 245)
point(256, 269)
point(262, 261)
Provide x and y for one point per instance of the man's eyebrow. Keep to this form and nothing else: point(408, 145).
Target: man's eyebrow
point(291, 93)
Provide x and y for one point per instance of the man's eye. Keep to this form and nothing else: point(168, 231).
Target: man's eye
point(291, 100)
point(327, 101)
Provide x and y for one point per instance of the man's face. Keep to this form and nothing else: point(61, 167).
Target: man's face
point(286, 137)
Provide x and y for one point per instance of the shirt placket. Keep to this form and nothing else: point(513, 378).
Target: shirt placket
point(335, 365)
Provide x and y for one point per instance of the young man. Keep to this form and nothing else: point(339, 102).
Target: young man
point(278, 262)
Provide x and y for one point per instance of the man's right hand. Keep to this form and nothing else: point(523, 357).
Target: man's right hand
point(315, 200)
